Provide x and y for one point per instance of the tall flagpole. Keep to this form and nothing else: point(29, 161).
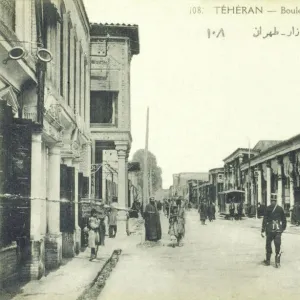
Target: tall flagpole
point(145, 175)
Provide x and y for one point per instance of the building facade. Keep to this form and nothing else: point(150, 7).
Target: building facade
point(112, 48)
point(182, 182)
point(52, 135)
point(216, 179)
point(275, 170)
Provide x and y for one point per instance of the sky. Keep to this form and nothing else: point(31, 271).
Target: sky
point(208, 96)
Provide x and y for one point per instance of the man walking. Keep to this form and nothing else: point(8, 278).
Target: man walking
point(274, 223)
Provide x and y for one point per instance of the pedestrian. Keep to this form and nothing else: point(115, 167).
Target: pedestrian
point(203, 212)
point(213, 211)
point(93, 226)
point(102, 227)
point(209, 212)
point(181, 221)
point(152, 222)
point(173, 224)
point(159, 205)
point(112, 218)
point(231, 209)
point(274, 223)
point(240, 210)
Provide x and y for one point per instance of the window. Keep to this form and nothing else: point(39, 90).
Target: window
point(69, 63)
point(75, 76)
point(79, 83)
point(62, 50)
point(8, 13)
point(103, 107)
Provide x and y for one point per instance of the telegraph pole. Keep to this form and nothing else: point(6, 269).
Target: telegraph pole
point(145, 175)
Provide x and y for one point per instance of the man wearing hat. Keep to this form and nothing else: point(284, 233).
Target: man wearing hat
point(274, 223)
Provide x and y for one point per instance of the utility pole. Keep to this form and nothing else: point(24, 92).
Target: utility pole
point(145, 175)
point(150, 182)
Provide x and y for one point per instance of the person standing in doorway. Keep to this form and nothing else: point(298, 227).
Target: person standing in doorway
point(274, 223)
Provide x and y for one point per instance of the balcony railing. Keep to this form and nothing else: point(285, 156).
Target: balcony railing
point(7, 13)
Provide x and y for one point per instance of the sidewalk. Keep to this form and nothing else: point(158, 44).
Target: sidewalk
point(75, 275)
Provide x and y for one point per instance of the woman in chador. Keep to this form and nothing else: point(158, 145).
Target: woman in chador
point(93, 225)
point(152, 222)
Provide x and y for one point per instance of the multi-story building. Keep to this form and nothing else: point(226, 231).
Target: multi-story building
point(112, 48)
point(275, 169)
point(45, 118)
point(216, 179)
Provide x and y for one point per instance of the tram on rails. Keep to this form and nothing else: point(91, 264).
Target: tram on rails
point(226, 198)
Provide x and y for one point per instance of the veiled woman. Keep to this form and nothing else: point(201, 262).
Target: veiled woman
point(152, 222)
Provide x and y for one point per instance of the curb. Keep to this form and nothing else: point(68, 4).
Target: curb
point(94, 289)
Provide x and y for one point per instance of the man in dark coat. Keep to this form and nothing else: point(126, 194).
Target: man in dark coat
point(274, 223)
point(152, 222)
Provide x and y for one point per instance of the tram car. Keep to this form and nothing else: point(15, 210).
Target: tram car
point(226, 198)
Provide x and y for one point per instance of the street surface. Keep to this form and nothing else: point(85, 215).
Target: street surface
point(221, 260)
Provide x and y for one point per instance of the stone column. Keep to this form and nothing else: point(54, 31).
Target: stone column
point(269, 183)
point(65, 57)
point(252, 187)
point(122, 152)
point(121, 148)
point(77, 228)
point(280, 187)
point(77, 79)
point(58, 62)
point(35, 268)
point(36, 183)
point(87, 91)
point(259, 184)
point(246, 194)
point(53, 244)
point(23, 28)
point(71, 66)
point(126, 179)
point(68, 239)
point(92, 181)
point(83, 86)
point(291, 177)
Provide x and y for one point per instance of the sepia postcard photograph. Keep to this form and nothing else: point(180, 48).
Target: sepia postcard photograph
point(149, 149)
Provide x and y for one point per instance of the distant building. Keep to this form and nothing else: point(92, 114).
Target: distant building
point(182, 183)
point(216, 180)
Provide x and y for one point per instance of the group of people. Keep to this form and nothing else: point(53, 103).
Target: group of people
point(174, 210)
point(207, 211)
point(96, 226)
